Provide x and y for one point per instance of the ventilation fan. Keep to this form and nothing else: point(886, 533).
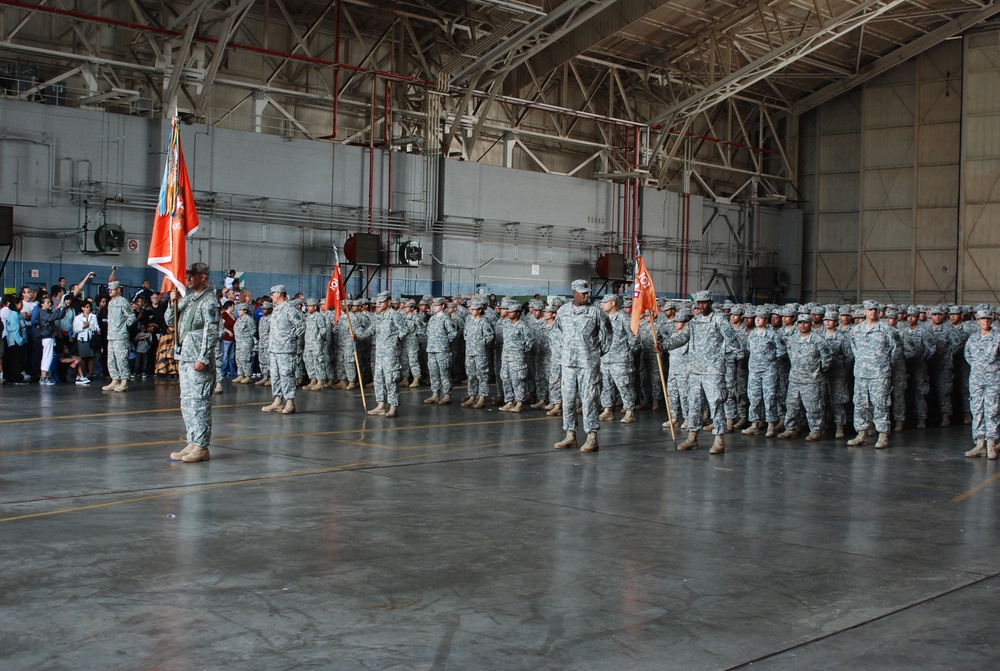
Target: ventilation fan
point(410, 254)
point(109, 238)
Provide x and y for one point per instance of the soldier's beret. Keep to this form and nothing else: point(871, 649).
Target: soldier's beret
point(383, 296)
point(581, 286)
point(830, 315)
point(279, 289)
point(703, 296)
point(113, 285)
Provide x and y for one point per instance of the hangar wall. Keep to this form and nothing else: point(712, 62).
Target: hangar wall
point(275, 207)
point(881, 174)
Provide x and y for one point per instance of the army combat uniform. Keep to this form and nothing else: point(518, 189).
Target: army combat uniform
point(983, 355)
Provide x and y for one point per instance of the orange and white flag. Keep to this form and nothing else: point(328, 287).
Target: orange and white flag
point(643, 294)
point(176, 218)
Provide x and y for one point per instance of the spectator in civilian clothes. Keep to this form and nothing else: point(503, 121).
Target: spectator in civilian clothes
point(85, 332)
point(16, 336)
point(228, 339)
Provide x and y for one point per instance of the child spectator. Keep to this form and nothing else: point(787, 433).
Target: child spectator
point(86, 331)
point(144, 341)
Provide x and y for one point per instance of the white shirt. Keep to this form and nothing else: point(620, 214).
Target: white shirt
point(85, 327)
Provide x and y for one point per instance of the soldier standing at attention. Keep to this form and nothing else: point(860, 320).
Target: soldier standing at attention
point(766, 348)
point(517, 343)
point(198, 318)
point(120, 317)
point(809, 357)
point(918, 349)
point(441, 331)
point(286, 328)
point(677, 375)
point(874, 349)
point(389, 328)
point(316, 344)
point(947, 342)
point(617, 364)
point(264, 343)
point(837, 376)
point(553, 364)
point(244, 331)
point(982, 351)
point(736, 377)
point(586, 335)
point(707, 335)
point(478, 338)
point(897, 375)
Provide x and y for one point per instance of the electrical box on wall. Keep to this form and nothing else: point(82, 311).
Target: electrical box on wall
point(611, 266)
point(410, 253)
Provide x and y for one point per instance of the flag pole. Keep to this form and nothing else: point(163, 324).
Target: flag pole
point(663, 380)
point(357, 362)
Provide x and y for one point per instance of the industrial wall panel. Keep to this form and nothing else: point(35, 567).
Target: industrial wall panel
point(935, 272)
point(902, 74)
point(937, 227)
point(837, 231)
point(940, 101)
point(838, 192)
point(840, 115)
point(979, 225)
point(888, 147)
point(940, 144)
point(839, 152)
point(983, 136)
point(981, 179)
point(937, 186)
point(943, 62)
point(886, 276)
point(889, 106)
point(888, 188)
point(838, 272)
point(887, 229)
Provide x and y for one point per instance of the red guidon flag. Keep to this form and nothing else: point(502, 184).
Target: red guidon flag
point(175, 219)
point(335, 293)
point(643, 294)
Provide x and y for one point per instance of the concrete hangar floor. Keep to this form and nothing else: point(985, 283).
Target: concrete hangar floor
point(458, 539)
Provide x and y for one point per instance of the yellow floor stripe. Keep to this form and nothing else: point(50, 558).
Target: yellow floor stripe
point(266, 478)
point(117, 413)
point(309, 434)
point(982, 485)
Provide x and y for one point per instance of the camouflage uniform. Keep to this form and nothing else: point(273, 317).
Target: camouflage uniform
point(537, 368)
point(808, 358)
point(441, 331)
point(478, 338)
point(617, 363)
point(287, 327)
point(316, 346)
point(677, 376)
point(707, 337)
point(650, 387)
point(120, 317)
point(736, 384)
point(411, 345)
point(346, 368)
point(941, 367)
point(837, 376)
point(198, 323)
point(585, 334)
point(897, 377)
point(553, 363)
point(244, 331)
point(766, 349)
point(517, 342)
point(874, 348)
point(387, 329)
point(918, 348)
point(983, 356)
point(263, 345)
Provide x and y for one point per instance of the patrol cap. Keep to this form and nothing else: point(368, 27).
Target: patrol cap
point(844, 310)
point(245, 306)
point(668, 305)
point(683, 315)
point(609, 298)
point(268, 305)
point(411, 303)
point(438, 301)
point(870, 305)
point(513, 306)
point(787, 311)
point(913, 311)
point(551, 308)
point(858, 314)
point(830, 315)
point(703, 297)
point(581, 286)
point(535, 304)
point(627, 303)
point(736, 310)
point(383, 296)
point(113, 285)
point(312, 301)
point(984, 314)
point(198, 267)
point(817, 310)
point(955, 310)
point(762, 311)
point(803, 317)
point(937, 310)
point(279, 289)
point(423, 301)
point(892, 314)
point(474, 304)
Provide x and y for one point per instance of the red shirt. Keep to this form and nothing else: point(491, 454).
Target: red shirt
point(229, 323)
